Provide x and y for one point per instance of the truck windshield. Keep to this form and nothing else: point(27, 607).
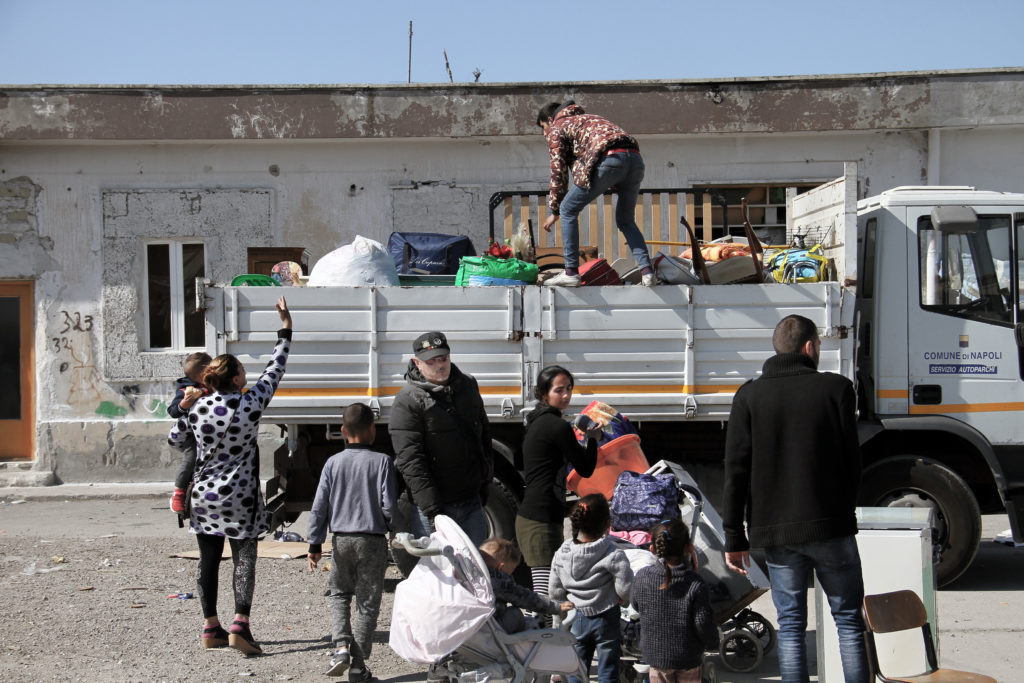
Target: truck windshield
point(968, 274)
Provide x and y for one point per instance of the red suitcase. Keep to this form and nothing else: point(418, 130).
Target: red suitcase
point(598, 272)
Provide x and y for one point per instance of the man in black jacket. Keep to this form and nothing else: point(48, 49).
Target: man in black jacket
point(792, 470)
point(442, 439)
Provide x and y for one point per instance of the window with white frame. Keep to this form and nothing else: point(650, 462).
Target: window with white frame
point(172, 320)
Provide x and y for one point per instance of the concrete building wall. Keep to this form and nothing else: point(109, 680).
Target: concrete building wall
point(79, 199)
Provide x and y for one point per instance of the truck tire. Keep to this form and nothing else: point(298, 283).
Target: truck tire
point(404, 562)
point(914, 481)
point(501, 510)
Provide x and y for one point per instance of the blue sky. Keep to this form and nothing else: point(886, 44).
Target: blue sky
point(342, 42)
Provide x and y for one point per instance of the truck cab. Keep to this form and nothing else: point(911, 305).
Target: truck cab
point(940, 363)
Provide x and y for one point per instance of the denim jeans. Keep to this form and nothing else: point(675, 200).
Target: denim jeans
point(468, 514)
point(599, 633)
point(625, 171)
point(836, 563)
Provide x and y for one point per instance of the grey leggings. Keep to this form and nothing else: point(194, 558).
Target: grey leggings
point(243, 555)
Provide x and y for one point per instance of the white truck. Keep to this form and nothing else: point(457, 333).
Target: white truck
point(923, 315)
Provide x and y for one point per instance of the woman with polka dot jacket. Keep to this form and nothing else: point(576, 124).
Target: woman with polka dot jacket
point(226, 498)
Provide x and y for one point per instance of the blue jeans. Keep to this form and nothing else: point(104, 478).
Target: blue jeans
point(600, 633)
point(625, 171)
point(836, 563)
point(468, 514)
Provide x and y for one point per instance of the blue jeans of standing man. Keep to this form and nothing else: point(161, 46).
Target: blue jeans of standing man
point(625, 170)
point(599, 633)
point(836, 563)
point(468, 514)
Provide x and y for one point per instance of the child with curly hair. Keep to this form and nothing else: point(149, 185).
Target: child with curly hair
point(591, 572)
point(677, 624)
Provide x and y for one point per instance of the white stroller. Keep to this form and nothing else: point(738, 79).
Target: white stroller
point(443, 616)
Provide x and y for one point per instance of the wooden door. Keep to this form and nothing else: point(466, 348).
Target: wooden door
point(17, 421)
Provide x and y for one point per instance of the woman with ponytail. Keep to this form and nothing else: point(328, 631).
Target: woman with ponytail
point(549, 447)
point(677, 624)
point(594, 575)
point(226, 501)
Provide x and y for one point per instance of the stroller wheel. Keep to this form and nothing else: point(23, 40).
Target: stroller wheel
point(740, 650)
point(760, 627)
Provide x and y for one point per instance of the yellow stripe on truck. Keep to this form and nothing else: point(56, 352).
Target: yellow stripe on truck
point(588, 390)
point(893, 393)
point(967, 408)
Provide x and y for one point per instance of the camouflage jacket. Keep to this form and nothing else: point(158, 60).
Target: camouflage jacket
point(578, 141)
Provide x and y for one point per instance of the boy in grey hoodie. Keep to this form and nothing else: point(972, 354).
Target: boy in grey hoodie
point(591, 572)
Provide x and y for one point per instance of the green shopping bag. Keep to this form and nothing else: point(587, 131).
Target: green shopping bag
point(478, 271)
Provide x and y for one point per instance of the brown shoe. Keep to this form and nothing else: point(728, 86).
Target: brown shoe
point(214, 637)
point(241, 639)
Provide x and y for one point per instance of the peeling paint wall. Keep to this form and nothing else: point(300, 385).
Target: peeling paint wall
point(77, 207)
point(227, 221)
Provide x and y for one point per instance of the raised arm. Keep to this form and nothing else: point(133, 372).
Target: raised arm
point(266, 385)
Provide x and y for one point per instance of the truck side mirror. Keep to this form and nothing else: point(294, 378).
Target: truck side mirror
point(954, 219)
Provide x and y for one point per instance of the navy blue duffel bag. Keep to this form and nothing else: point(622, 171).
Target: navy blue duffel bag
point(428, 253)
point(642, 500)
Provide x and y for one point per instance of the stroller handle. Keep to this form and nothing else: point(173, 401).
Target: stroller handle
point(698, 507)
point(420, 547)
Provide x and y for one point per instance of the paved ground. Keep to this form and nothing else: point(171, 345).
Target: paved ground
point(116, 540)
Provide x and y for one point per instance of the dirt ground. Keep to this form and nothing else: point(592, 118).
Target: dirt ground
point(84, 584)
point(93, 606)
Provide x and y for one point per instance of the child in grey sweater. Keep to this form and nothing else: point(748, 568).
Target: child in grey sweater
point(591, 572)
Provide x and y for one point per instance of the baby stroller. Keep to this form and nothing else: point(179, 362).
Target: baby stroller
point(745, 635)
point(443, 616)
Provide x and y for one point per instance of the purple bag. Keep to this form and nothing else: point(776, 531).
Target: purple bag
point(640, 501)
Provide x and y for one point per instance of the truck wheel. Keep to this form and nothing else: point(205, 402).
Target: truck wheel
point(913, 481)
point(501, 510)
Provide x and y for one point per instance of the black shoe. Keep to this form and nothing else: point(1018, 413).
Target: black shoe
point(214, 637)
point(360, 674)
point(339, 662)
point(241, 639)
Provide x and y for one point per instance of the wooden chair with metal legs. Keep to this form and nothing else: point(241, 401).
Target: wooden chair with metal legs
point(903, 611)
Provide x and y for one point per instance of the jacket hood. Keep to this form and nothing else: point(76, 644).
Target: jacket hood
point(183, 382)
point(571, 110)
point(581, 558)
point(541, 409)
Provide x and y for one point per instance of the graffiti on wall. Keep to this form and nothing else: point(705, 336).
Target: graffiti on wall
point(72, 342)
point(81, 383)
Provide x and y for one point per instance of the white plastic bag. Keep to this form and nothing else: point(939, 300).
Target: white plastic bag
point(364, 263)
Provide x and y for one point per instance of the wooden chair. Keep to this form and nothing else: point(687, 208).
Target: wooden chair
point(903, 611)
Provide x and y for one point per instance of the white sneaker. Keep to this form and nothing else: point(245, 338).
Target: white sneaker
point(339, 662)
point(649, 280)
point(563, 280)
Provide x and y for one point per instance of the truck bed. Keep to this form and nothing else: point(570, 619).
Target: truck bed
point(662, 353)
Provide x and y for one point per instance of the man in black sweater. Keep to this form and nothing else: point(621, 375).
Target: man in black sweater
point(792, 470)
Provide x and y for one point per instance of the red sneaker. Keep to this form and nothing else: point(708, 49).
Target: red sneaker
point(178, 501)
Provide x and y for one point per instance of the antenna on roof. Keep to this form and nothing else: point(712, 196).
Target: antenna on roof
point(447, 67)
point(410, 50)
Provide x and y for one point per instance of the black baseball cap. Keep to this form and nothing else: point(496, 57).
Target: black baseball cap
point(430, 345)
